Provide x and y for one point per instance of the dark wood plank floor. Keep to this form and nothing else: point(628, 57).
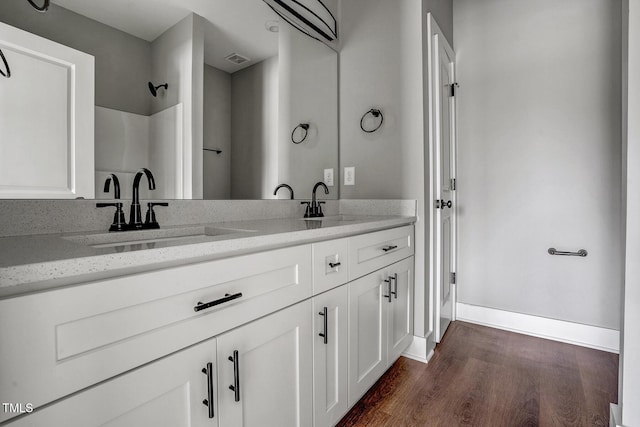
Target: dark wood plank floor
point(482, 376)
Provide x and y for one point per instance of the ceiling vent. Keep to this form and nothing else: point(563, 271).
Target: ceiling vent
point(236, 58)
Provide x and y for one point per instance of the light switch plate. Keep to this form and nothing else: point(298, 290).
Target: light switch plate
point(350, 175)
point(328, 177)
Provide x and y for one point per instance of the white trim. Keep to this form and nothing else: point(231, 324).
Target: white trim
point(614, 415)
point(417, 350)
point(557, 330)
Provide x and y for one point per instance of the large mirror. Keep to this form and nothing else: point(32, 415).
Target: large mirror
point(219, 99)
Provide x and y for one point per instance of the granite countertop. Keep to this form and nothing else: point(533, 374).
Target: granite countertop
point(40, 262)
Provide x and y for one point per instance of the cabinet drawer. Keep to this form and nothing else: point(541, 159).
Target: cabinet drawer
point(370, 252)
point(57, 342)
point(330, 261)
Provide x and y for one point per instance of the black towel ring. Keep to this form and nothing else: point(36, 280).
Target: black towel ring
point(43, 8)
point(305, 128)
point(375, 113)
point(6, 66)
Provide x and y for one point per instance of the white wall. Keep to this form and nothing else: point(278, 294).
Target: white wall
point(630, 348)
point(539, 157)
point(177, 58)
point(381, 66)
point(217, 134)
point(308, 83)
point(126, 142)
point(254, 126)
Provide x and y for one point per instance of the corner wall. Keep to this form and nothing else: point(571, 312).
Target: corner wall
point(539, 164)
point(381, 66)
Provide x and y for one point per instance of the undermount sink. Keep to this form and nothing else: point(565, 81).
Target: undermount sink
point(181, 235)
point(345, 218)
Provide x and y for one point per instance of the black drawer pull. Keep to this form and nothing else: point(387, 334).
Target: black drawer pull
point(227, 298)
point(208, 371)
point(388, 281)
point(324, 334)
point(390, 248)
point(334, 264)
point(235, 387)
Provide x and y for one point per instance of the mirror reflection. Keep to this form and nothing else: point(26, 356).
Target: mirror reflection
point(209, 97)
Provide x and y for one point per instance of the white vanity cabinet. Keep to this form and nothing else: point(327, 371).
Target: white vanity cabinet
point(330, 356)
point(265, 371)
point(169, 392)
point(60, 341)
point(284, 339)
point(380, 323)
point(46, 119)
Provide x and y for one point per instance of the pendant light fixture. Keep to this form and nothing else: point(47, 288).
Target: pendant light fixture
point(311, 17)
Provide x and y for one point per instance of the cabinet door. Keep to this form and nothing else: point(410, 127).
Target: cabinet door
point(168, 392)
point(46, 119)
point(401, 308)
point(265, 371)
point(368, 308)
point(330, 356)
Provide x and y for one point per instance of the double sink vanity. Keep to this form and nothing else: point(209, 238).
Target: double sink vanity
point(270, 322)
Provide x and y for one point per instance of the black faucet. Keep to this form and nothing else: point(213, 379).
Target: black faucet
point(314, 210)
point(135, 215)
point(283, 186)
point(119, 223)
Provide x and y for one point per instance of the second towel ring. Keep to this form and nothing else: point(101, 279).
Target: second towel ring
point(375, 113)
point(6, 66)
point(305, 129)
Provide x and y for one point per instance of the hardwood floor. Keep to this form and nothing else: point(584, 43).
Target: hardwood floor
point(482, 376)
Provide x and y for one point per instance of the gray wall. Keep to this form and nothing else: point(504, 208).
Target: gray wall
point(381, 66)
point(308, 93)
point(217, 134)
point(254, 126)
point(122, 61)
point(539, 156)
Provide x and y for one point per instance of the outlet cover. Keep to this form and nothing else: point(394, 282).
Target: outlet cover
point(328, 177)
point(350, 175)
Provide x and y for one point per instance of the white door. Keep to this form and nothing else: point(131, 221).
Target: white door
point(265, 371)
point(400, 323)
point(167, 393)
point(46, 119)
point(330, 356)
point(368, 308)
point(444, 145)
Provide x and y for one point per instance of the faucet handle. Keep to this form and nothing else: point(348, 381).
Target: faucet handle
point(307, 209)
point(150, 220)
point(119, 223)
point(320, 208)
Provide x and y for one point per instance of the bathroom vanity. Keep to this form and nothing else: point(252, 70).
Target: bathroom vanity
point(267, 322)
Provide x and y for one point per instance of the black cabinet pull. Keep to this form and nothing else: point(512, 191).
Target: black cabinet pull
point(6, 74)
point(208, 371)
point(334, 264)
point(226, 298)
point(390, 248)
point(388, 281)
point(395, 285)
point(324, 334)
point(235, 387)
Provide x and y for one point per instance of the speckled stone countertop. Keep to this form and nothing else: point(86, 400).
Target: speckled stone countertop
point(40, 262)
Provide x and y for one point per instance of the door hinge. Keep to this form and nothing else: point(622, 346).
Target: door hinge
point(453, 183)
point(453, 87)
point(453, 278)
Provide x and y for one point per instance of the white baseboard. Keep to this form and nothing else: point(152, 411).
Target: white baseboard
point(557, 330)
point(614, 415)
point(417, 350)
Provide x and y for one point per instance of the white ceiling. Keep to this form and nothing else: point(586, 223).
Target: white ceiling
point(234, 26)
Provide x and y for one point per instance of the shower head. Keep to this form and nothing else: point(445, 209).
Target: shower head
point(154, 89)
